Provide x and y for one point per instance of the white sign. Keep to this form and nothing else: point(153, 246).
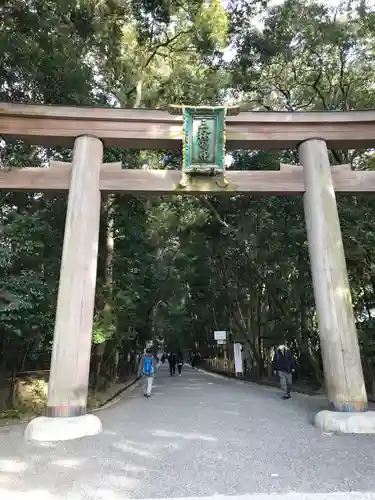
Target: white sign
point(220, 335)
point(238, 357)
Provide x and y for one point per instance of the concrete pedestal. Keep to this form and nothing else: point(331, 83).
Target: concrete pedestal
point(346, 423)
point(339, 343)
point(62, 429)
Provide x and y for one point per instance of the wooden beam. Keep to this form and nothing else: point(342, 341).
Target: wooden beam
point(65, 164)
point(35, 179)
point(157, 129)
point(344, 166)
point(166, 181)
point(159, 182)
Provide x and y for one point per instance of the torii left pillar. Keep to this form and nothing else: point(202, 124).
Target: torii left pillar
point(66, 416)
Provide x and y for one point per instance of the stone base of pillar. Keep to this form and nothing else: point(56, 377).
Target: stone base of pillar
point(62, 429)
point(346, 422)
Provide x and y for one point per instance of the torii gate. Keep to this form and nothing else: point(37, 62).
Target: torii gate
point(91, 129)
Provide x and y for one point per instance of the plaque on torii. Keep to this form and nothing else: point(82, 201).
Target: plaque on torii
point(203, 146)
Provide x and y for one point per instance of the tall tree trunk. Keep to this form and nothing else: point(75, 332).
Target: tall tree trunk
point(105, 292)
point(305, 347)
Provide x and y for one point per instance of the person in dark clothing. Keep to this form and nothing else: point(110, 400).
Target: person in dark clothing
point(180, 362)
point(284, 366)
point(172, 363)
point(196, 359)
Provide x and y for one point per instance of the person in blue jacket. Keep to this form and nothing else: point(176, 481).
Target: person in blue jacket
point(146, 369)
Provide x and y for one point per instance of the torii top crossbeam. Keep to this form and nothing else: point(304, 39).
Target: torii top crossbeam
point(158, 129)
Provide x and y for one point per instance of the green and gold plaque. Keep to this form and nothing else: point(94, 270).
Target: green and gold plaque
point(203, 147)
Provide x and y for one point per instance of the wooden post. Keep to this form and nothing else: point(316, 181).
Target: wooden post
point(339, 343)
point(70, 363)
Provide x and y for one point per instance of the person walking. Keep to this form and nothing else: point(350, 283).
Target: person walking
point(196, 360)
point(180, 362)
point(172, 363)
point(147, 370)
point(284, 366)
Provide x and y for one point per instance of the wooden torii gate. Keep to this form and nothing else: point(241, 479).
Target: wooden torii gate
point(91, 129)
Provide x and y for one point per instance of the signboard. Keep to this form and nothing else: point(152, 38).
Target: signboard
point(237, 348)
point(220, 335)
point(203, 143)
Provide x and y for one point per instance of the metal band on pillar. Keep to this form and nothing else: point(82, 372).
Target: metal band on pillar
point(65, 411)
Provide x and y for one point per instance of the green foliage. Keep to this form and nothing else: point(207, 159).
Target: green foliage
point(103, 328)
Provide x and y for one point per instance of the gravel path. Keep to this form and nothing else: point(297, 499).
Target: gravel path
point(198, 436)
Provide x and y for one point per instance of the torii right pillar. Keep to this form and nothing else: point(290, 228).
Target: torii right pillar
point(343, 372)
